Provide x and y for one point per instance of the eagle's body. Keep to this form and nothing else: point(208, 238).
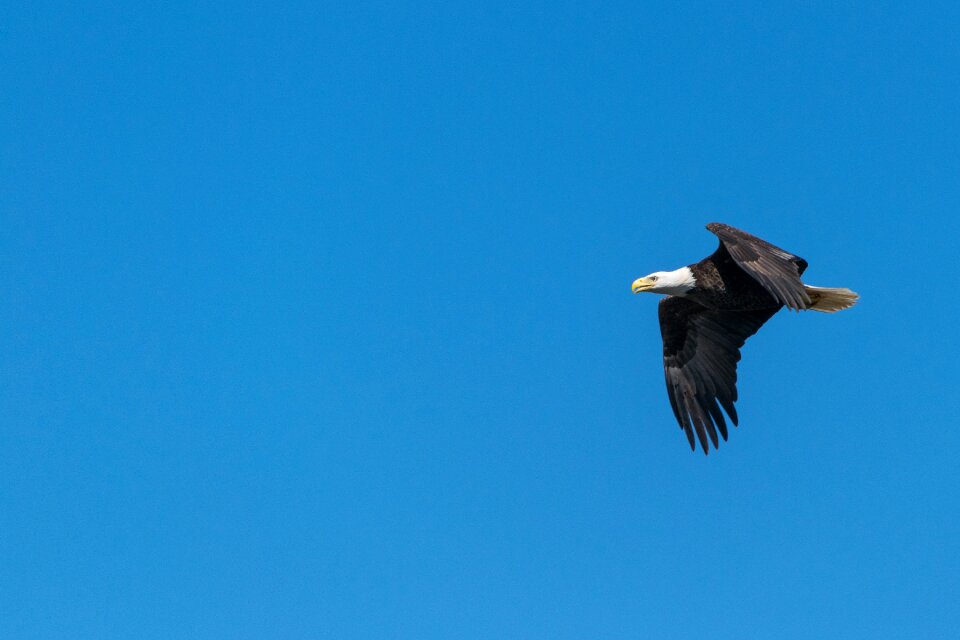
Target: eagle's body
point(712, 307)
point(721, 284)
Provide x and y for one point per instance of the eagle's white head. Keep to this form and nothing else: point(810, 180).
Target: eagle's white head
point(673, 283)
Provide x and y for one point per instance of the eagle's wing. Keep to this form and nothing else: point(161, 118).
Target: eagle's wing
point(775, 269)
point(701, 348)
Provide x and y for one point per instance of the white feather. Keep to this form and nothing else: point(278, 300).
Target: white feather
point(674, 283)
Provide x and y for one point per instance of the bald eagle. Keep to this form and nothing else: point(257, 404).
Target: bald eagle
point(711, 308)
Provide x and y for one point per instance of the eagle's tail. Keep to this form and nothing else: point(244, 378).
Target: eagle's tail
point(830, 300)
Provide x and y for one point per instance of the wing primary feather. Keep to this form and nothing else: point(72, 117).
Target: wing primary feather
point(711, 429)
point(731, 409)
point(718, 419)
point(689, 432)
point(697, 422)
point(672, 395)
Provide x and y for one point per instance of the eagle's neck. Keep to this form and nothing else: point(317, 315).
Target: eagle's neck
point(676, 283)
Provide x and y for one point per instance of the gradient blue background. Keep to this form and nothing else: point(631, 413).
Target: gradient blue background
point(315, 320)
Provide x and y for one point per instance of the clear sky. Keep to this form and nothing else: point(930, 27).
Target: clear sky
point(316, 322)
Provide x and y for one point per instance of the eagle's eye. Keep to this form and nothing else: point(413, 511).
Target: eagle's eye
point(654, 278)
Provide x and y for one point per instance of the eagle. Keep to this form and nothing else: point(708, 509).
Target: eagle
point(711, 308)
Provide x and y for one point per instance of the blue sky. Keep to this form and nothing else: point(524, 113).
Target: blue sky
point(317, 320)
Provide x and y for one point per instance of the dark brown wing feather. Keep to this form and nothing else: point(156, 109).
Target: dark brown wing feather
point(701, 348)
point(777, 270)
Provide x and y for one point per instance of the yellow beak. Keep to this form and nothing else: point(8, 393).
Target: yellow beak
point(642, 284)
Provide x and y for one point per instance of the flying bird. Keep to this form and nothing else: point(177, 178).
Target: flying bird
point(711, 308)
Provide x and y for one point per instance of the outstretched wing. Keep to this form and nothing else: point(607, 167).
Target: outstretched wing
point(775, 269)
point(701, 348)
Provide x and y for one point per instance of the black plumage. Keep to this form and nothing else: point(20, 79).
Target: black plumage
point(736, 290)
point(701, 348)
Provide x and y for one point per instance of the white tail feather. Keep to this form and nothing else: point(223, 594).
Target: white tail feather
point(830, 300)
